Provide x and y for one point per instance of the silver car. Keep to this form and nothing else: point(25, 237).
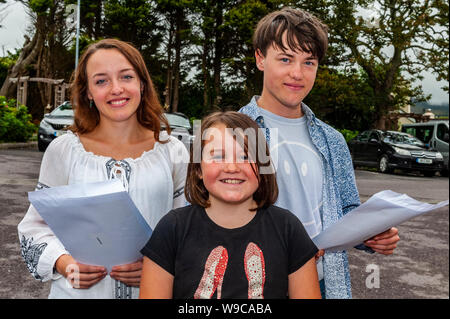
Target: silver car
point(181, 128)
point(54, 124)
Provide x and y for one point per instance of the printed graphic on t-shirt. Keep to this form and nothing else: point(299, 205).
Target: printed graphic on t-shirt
point(216, 265)
point(212, 278)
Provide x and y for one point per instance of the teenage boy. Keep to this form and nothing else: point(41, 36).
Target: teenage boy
point(314, 168)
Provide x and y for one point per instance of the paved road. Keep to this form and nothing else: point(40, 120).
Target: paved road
point(418, 269)
point(420, 266)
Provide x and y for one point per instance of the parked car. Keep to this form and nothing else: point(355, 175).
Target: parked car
point(388, 150)
point(180, 127)
point(434, 134)
point(56, 122)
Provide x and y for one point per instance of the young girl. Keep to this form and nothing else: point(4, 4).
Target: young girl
point(232, 242)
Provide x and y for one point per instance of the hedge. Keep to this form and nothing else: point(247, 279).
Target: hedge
point(15, 123)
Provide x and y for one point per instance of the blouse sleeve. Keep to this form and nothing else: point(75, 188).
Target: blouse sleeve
point(180, 158)
point(39, 246)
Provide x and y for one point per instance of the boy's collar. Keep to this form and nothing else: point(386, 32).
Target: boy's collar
point(256, 109)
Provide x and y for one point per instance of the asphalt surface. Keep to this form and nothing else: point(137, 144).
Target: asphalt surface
point(419, 267)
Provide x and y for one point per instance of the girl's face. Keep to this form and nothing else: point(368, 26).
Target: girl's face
point(113, 84)
point(226, 171)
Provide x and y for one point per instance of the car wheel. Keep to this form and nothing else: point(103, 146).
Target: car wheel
point(444, 173)
point(383, 164)
point(428, 173)
point(42, 146)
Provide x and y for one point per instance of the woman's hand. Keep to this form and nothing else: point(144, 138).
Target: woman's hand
point(129, 274)
point(79, 275)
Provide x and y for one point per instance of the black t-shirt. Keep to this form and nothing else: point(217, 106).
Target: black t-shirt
point(209, 261)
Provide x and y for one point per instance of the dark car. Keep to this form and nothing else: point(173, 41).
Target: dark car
point(388, 150)
point(55, 124)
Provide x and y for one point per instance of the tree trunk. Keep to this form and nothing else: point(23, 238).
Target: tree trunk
point(27, 56)
point(169, 75)
point(205, 72)
point(218, 52)
point(176, 65)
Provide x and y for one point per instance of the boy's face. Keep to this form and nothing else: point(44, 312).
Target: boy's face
point(288, 78)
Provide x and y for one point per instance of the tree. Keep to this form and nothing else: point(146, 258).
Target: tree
point(173, 20)
point(342, 99)
point(401, 39)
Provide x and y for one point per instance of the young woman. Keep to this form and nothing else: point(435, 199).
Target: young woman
point(232, 242)
point(116, 134)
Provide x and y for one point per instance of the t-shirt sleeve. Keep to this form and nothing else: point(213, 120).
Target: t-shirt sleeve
point(300, 246)
point(162, 245)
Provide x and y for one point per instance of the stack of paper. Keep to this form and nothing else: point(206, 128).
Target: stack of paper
point(97, 223)
point(379, 213)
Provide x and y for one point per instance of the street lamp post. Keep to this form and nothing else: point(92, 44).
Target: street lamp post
point(78, 34)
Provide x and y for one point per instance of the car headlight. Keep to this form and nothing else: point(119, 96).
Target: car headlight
point(439, 155)
point(401, 151)
point(45, 125)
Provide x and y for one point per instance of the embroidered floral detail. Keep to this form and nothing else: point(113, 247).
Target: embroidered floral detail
point(122, 164)
point(122, 291)
point(31, 254)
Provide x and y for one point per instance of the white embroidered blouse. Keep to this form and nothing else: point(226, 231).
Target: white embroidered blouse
point(155, 182)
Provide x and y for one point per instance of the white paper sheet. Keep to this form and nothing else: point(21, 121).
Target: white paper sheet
point(97, 223)
point(379, 213)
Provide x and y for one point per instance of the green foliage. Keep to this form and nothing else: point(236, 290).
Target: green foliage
point(348, 134)
point(342, 99)
point(6, 63)
point(15, 123)
point(40, 6)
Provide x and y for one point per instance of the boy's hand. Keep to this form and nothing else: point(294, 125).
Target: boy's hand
point(384, 243)
point(129, 274)
point(319, 254)
point(79, 276)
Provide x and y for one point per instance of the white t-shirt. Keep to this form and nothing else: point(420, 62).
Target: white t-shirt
point(155, 182)
point(299, 171)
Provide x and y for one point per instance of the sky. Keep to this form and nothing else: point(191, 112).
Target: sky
point(16, 22)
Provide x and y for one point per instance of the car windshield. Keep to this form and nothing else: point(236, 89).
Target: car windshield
point(176, 120)
point(63, 110)
point(402, 139)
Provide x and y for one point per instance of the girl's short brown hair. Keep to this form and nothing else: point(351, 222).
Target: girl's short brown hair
point(267, 192)
point(304, 32)
point(149, 113)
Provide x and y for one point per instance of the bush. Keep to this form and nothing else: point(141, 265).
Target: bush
point(15, 123)
point(348, 134)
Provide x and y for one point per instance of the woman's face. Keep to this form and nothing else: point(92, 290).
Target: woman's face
point(114, 85)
